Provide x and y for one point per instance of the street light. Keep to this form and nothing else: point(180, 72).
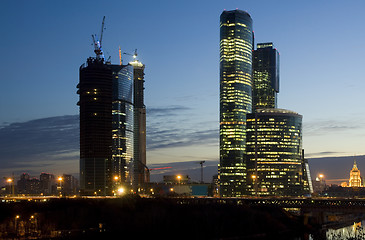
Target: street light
point(11, 185)
point(254, 177)
point(60, 179)
point(120, 190)
point(178, 178)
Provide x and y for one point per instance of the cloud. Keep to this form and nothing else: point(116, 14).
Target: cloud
point(52, 144)
point(180, 138)
point(40, 143)
point(176, 126)
point(322, 154)
point(329, 126)
point(165, 111)
point(48, 142)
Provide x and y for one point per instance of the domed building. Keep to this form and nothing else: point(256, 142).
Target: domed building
point(355, 178)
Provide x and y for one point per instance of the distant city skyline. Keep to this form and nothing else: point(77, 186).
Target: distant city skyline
point(45, 42)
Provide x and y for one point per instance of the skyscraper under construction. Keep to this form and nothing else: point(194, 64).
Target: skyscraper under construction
point(109, 96)
point(95, 90)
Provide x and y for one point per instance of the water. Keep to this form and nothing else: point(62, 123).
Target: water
point(353, 232)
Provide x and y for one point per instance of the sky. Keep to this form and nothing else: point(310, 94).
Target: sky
point(44, 43)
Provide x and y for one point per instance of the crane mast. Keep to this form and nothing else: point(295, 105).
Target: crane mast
point(98, 43)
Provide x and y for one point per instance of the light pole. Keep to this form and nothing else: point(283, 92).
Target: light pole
point(11, 185)
point(178, 178)
point(254, 178)
point(116, 181)
point(60, 179)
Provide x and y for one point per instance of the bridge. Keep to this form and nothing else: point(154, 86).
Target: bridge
point(327, 204)
point(324, 212)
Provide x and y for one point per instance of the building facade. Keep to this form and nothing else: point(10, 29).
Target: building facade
point(122, 124)
point(236, 44)
point(276, 165)
point(265, 76)
point(95, 94)
point(355, 177)
point(139, 166)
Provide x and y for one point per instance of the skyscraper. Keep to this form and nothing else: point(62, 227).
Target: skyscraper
point(355, 177)
point(95, 90)
point(236, 44)
point(122, 124)
point(265, 76)
point(275, 164)
point(139, 165)
point(109, 95)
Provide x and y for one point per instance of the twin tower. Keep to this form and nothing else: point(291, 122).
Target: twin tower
point(260, 145)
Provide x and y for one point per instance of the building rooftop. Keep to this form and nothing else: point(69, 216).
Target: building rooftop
point(277, 111)
point(236, 10)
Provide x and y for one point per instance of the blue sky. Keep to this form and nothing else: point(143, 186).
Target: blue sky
point(43, 43)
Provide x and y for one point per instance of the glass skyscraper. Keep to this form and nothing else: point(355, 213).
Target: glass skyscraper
point(236, 44)
point(276, 166)
point(265, 76)
point(106, 126)
point(140, 173)
point(122, 123)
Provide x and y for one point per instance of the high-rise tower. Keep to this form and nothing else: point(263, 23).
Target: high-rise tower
point(122, 124)
point(275, 161)
point(139, 165)
point(236, 44)
point(95, 90)
point(275, 164)
point(106, 123)
point(265, 76)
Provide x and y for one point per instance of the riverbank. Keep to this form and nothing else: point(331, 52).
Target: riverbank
point(134, 217)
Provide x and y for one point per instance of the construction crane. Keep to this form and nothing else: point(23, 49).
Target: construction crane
point(133, 55)
point(97, 43)
point(120, 56)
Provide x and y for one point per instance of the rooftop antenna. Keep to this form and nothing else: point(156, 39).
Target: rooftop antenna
point(98, 43)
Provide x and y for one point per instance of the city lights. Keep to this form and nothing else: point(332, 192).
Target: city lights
point(121, 190)
point(236, 45)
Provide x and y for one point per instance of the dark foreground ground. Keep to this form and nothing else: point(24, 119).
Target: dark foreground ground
point(132, 217)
